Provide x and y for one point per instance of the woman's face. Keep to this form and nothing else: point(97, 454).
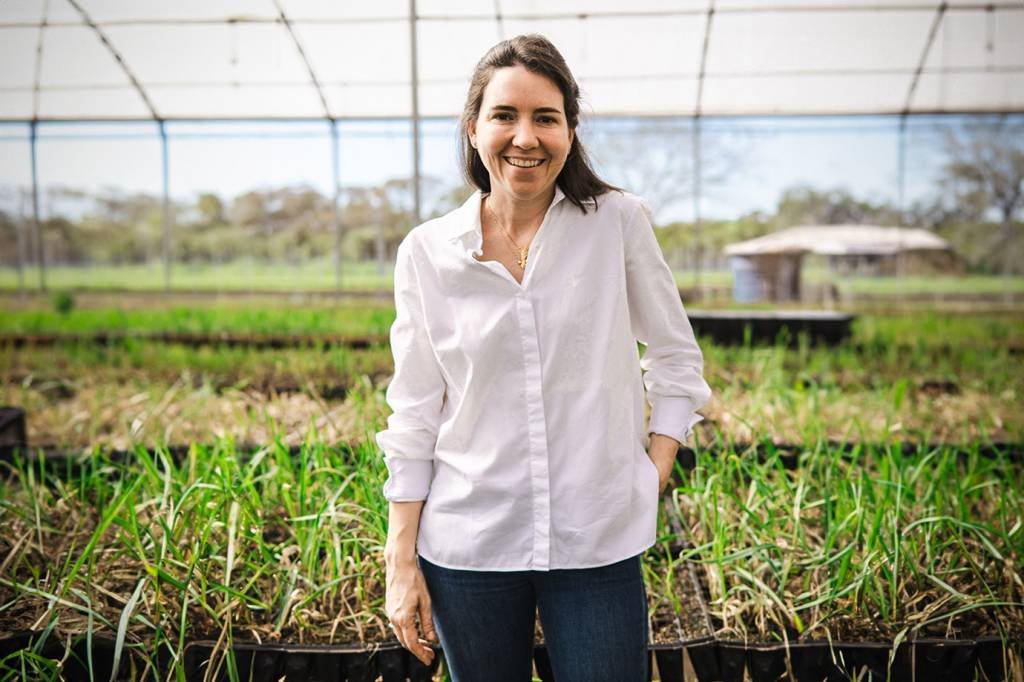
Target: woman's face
point(521, 133)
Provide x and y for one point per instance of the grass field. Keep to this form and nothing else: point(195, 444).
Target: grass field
point(363, 276)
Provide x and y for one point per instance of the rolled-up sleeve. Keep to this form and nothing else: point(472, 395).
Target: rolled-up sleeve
point(415, 394)
point(672, 363)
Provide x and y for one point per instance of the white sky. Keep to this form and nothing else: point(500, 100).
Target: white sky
point(858, 154)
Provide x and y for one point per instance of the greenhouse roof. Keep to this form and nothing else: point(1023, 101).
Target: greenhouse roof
point(323, 59)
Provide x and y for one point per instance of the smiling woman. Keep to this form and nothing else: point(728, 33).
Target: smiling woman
point(522, 138)
point(519, 482)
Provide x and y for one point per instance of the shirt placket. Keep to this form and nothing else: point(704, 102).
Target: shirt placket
point(537, 434)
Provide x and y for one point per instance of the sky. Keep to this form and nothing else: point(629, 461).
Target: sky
point(765, 156)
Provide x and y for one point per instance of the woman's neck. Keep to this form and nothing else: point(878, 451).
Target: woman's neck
point(519, 217)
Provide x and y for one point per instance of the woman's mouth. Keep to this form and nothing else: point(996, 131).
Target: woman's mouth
point(523, 163)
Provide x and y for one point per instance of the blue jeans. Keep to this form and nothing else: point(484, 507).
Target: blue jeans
point(594, 622)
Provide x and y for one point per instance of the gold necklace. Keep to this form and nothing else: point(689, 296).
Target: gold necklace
point(521, 252)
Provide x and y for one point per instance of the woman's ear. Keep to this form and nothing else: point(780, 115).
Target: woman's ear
point(471, 129)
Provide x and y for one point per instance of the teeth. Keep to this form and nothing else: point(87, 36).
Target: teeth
point(520, 163)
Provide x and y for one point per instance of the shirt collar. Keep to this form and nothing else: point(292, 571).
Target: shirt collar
point(466, 219)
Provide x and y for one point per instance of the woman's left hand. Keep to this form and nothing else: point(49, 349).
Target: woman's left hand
point(662, 451)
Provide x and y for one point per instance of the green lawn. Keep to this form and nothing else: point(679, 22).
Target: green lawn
point(364, 275)
point(235, 276)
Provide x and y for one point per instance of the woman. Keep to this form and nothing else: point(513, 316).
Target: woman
point(518, 478)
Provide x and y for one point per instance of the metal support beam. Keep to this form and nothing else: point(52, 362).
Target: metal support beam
point(283, 18)
point(165, 219)
point(499, 20)
point(940, 12)
point(335, 210)
point(37, 228)
point(697, 170)
point(699, 238)
point(118, 58)
point(414, 75)
point(21, 243)
point(901, 170)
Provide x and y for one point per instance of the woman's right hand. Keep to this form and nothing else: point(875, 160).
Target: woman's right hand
point(406, 597)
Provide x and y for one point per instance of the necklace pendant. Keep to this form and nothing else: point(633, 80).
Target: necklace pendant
point(522, 258)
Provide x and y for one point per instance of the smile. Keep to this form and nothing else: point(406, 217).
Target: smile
point(523, 163)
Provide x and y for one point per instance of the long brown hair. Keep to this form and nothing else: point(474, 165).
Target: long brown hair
point(536, 54)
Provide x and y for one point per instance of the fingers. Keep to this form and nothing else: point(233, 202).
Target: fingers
point(407, 601)
point(414, 644)
point(427, 621)
point(408, 637)
point(399, 634)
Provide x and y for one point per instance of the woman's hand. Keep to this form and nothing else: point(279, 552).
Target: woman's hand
point(406, 597)
point(662, 451)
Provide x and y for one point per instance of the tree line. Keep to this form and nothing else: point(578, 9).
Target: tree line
point(977, 205)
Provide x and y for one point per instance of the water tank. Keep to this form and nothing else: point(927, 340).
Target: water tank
point(746, 282)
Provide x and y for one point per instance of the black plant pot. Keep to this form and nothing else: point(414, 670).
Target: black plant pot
point(705, 660)
point(315, 663)
point(670, 663)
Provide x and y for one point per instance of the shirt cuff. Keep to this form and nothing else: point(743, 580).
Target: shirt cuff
point(408, 479)
point(673, 417)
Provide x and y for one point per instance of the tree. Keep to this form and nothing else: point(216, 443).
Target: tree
point(655, 161)
point(984, 175)
point(803, 205)
point(210, 209)
point(985, 166)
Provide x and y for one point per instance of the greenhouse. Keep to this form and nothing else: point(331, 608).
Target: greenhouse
point(208, 211)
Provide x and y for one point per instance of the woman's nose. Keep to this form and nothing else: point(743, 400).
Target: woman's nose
point(525, 137)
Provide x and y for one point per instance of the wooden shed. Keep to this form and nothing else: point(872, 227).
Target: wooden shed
point(768, 267)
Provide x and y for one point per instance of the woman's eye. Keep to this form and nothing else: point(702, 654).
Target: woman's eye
point(547, 120)
point(503, 116)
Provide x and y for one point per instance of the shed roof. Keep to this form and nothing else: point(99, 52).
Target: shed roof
point(840, 240)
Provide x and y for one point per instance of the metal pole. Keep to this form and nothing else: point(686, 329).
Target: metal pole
point(336, 176)
point(696, 203)
point(902, 181)
point(415, 113)
point(902, 169)
point(36, 225)
point(20, 235)
point(166, 218)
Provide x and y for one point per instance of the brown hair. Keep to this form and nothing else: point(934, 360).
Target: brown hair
point(536, 54)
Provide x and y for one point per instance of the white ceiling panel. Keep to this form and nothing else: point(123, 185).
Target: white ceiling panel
point(774, 42)
point(994, 92)
point(451, 50)
point(344, 10)
point(623, 46)
point(216, 101)
point(180, 10)
point(17, 56)
point(72, 56)
point(829, 5)
point(978, 40)
point(592, 7)
point(442, 99)
point(806, 95)
point(357, 53)
point(16, 105)
point(113, 102)
point(368, 101)
point(639, 96)
point(203, 54)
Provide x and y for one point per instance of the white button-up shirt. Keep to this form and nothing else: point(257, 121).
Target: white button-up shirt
point(518, 410)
